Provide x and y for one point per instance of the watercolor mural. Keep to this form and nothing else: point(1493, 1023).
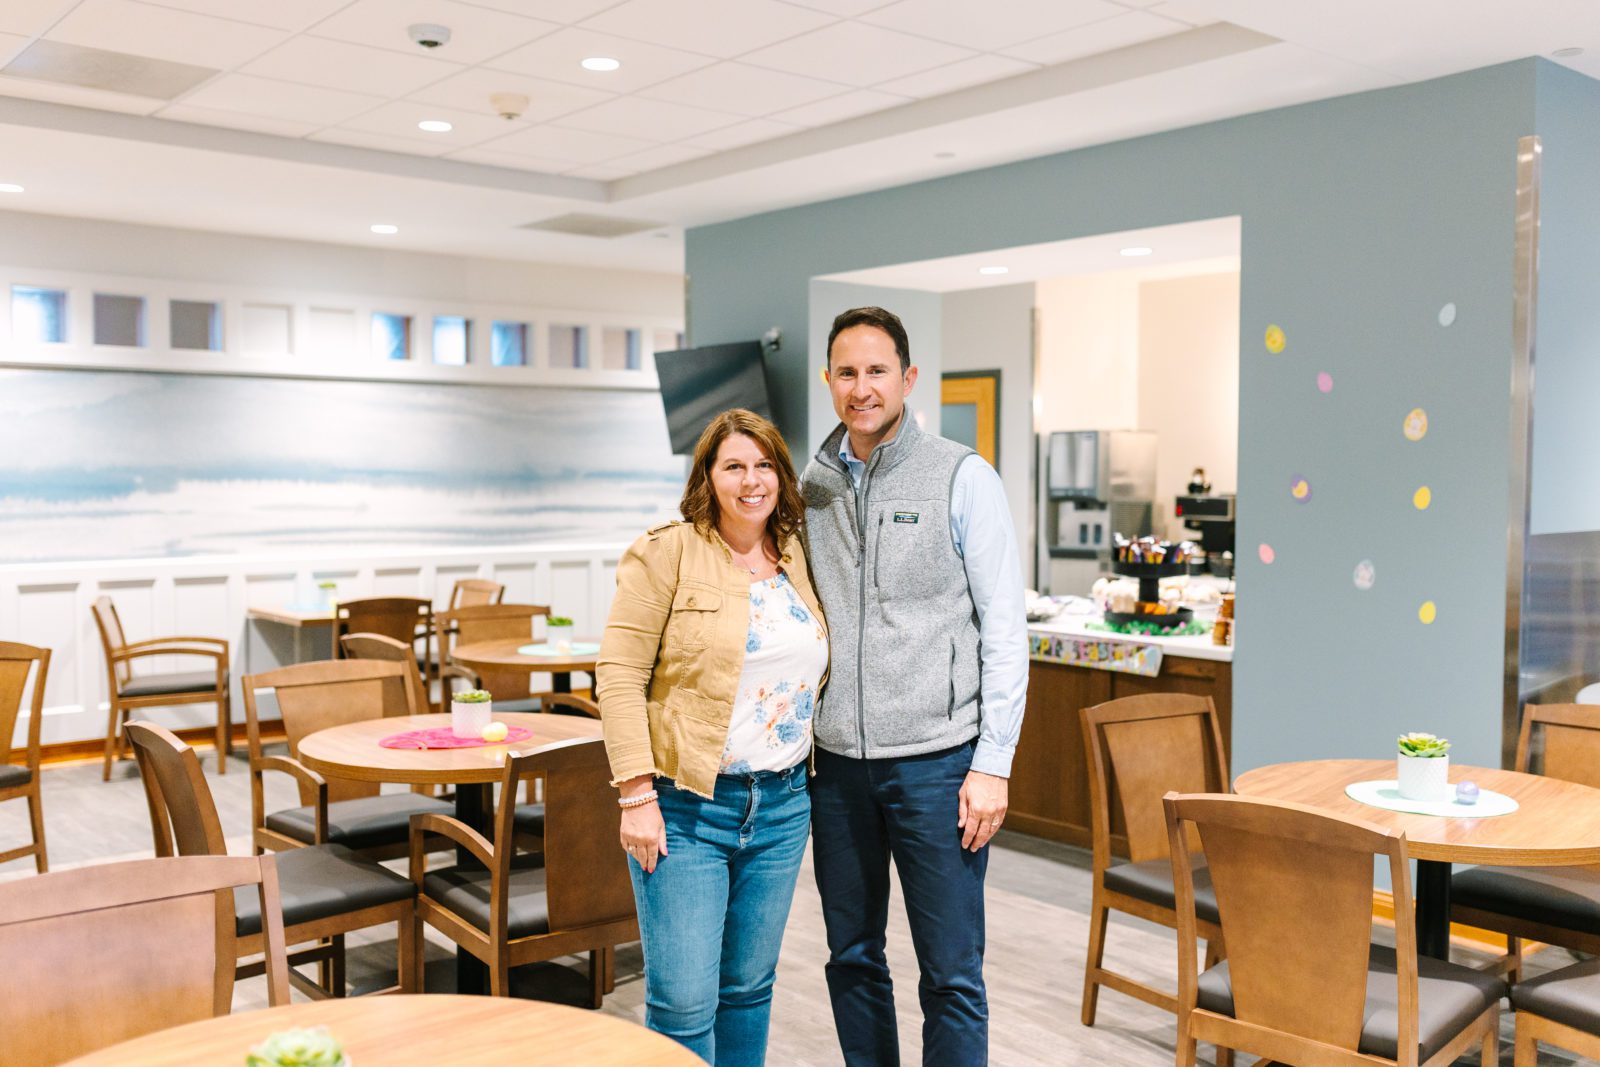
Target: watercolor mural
point(98, 465)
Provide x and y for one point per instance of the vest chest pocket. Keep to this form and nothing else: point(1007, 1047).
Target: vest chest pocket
point(911, 552)
point(694, 618)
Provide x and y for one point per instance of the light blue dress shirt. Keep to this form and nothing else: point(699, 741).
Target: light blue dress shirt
point(980, 527)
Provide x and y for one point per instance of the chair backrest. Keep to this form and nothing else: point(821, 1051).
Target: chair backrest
point(1571, 741)
point(568, 704)
point(1139, 748)
point(387, 649)
point(491, 622)
point(470, 592)
point(17, 662)
point(1294, 890)
point(183, 815)
point(586, 874)
point(109, 952)
point(314, 696)
point(392, 616)
point(112, 641)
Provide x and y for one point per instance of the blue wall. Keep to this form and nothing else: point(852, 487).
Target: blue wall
point(1362, 217)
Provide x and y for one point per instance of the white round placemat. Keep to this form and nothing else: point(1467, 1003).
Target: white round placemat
point(1385, 793)
point(579, 648)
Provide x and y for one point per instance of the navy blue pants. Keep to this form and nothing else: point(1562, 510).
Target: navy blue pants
point(863, 811)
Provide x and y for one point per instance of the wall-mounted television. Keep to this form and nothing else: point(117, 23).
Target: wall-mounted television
point(698, 384)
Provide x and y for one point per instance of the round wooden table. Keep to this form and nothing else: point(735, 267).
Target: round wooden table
point(501, 655)
point(402, 1031)
point(1556, 823)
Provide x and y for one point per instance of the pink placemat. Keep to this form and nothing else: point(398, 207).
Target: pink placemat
point(441, 737)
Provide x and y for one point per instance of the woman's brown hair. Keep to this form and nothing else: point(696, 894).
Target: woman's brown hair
point(699, 504)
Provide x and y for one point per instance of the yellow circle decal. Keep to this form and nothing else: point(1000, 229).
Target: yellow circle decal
point(1427, 613)
point(1416, 425)
point(1422, 498)
point(1275, 339)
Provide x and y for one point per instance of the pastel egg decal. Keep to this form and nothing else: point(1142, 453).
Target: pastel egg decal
point(1300, 489)
point(1427, 613)
point(1447, 315)
point(1416, 425)
point(1422, 498)
point(1265, 553)
point(1365, 575)
point(1324, 382)
point(1275, 339)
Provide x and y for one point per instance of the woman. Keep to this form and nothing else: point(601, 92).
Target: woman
point(707, 678)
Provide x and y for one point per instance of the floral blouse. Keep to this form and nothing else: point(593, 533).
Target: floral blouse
point(785, 653)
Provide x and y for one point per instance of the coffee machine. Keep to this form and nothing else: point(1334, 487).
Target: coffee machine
point(1211, 516)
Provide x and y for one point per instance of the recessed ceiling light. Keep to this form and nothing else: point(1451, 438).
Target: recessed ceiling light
point(8, 187)
point(1567, 53)
point(601, 63)
point(994, 270)
point(385, 227)
point(1137, 250)
point(435, 126)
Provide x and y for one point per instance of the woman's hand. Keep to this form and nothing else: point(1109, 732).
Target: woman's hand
point(644, 832)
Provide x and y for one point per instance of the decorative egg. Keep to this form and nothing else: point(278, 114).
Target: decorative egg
point(1466, 792)
point(495, 732)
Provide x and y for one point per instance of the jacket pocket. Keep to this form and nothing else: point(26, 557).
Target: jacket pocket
point(694, 618)
point(950, 712)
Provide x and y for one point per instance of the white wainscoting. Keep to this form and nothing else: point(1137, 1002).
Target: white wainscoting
point(48, 605)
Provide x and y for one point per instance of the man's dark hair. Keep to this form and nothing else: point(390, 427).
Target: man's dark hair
point(887, 321)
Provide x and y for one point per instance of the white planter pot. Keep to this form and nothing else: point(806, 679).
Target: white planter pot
point(468, 720)
point(559, 638)
point(1423, 778)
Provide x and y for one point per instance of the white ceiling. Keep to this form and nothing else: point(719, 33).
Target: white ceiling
point(721, 108)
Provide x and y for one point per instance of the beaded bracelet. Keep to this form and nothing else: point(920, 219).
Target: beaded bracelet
point(639, 801)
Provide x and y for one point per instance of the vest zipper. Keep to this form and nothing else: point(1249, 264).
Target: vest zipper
point(861, 611)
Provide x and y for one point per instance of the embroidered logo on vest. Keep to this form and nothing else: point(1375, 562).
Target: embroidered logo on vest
point(906, 516)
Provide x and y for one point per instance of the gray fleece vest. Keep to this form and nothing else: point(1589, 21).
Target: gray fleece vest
point(901, 625)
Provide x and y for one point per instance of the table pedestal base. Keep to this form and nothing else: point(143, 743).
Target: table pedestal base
point(1433, 909)
point(472, 808)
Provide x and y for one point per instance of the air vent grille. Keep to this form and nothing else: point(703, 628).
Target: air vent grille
point(94, 68)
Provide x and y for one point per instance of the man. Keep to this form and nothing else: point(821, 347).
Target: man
point(915, 562)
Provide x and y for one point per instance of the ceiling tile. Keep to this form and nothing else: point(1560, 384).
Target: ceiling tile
point(293, 15)
point(31, 17)
point(381, 142)
point(400, 118)
point(841, 107)
point(78, 96)
point(959, 75)
point(602, 172)
point(744, 89)
point(574, 146)
point(10, 45)
point(281, 100)
point(352, 67)
point(476, 33)
point(661, 156)
point(843, 8)
point(181, 36)
point(742, 133)
point(723, 28)
point(471, 89)
point(857, 54)
point(236, 120)
point(510, 160)
point(1184, 11)
point(558, 56)
point(634, 116)
point(992, 24)
point(1119, 32)
point(562, 11)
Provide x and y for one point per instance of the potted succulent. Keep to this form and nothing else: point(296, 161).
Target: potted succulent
point(313, 1047)
point(1422, 768)
point(558, 633)
point(328, 595)
point(470, 712)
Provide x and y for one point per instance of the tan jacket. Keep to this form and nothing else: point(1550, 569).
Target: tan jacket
point(673, 652)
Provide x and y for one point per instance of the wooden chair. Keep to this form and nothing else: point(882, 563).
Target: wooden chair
point(1138, 748)
point(1561, 1008)
point(128, 692)
point(1555, 905)
point(312, 697)
point(529, 817)
point(110, 952)
point(403, 618)
point(1303, 983)
point(490, 622)
point(325, 890)
point(21, 780)
point(518, 908)
point(470, 592)
point(378, 647)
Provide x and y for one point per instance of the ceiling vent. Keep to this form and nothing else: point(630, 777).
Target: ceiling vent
point(592, 225)
point(116, 72)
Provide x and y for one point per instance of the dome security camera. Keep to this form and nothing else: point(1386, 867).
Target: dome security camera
point(429, 35)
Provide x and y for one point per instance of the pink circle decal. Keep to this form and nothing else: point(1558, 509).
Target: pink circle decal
point(1266, 553)
point(1324, 382)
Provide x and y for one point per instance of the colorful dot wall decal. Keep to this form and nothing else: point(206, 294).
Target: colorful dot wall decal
point(1447, 315)
point(1422, 498)
point(1416, 425)
point(1265, 553)
point(1275, 339)
point(1324, 382)
point(1427, 613)
point(1300, 489)
point(1365, 575)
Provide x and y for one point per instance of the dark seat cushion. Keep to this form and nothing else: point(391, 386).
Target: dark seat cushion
point(11, 775)
point(160, 685)
point(1570, 996)
point(1151, 882)
point(1553, 896)
point(529, 819)
point(321, 881)
point(1448, 998)
point(366, 822)
point(466, 892)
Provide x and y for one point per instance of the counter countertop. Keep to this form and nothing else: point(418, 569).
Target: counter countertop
point(1196, 647)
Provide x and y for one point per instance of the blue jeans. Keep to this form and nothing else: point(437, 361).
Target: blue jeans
point(863, 812)
point(711, 917)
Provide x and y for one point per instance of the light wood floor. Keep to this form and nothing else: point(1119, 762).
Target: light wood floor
point(1038, 895)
